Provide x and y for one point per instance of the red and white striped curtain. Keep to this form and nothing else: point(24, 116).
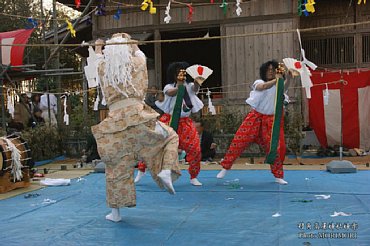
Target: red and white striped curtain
point(349, 103)
point(13, 55)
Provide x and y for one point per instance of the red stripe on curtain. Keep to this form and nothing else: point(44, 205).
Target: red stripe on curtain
point(349, 97)
point(20, 37)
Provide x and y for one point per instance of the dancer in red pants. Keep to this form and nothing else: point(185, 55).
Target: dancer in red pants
point(257, 125)
point(188, 103)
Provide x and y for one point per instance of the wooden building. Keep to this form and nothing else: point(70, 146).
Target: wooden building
point(236, 60)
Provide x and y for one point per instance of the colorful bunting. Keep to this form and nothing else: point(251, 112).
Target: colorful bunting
point(224, 6)
point(148, 3)
point(78, 3)
point(71, 29)
point(190, 14)
point(118, 13)
point(309, 6)
point(32, 23)
point(101, 8)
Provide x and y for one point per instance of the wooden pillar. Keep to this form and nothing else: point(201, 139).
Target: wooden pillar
point(158, 60)
point(84, 88)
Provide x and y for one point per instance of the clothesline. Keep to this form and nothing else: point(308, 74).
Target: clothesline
point(202, 91)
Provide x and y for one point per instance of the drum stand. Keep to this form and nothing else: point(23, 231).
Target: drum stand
point(7, 184)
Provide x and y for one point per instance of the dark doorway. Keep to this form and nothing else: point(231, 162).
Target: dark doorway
point(207, 53)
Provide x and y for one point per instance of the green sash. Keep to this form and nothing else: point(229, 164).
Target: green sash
point(275, 132)
point(174, 123)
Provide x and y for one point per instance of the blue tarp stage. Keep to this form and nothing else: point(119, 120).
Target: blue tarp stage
point(235, 211)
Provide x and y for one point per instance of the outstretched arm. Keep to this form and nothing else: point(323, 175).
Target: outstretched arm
point(266, 85)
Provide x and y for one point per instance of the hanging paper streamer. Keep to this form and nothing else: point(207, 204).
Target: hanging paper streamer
point(167, 17)
point(118, 13)
point(238, 8)
point(71, 29)
point(16, 165)
point(10, 104)
point(326, 95)
point(101, 8)
point(144, 5)
point(300, 10)
point(190, 14)
point(309, 6)
point(360, 1)
point(66, 116)
point(306, 7)
point(90, 69)
point(148, 3)
point(78, 3)
point(302, 68)
point(96, 103)
point(32, 23)
point(211, 108)
point(224, 6)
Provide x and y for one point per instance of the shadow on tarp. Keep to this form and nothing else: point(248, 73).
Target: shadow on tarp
point(235, 211)
point(58, 158)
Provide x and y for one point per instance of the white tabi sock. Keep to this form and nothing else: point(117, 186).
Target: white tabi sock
point(165, 176)
point(222, 173)
point(280, 181)
point(139, 175)
point(114, 216)
point(195, 182)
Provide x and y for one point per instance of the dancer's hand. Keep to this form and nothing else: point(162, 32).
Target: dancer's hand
point(98, 46)
point(199, 80)
point(134, 46)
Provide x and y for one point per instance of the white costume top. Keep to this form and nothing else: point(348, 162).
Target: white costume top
point(262, 101)
point(44, 102)
point(169, 102)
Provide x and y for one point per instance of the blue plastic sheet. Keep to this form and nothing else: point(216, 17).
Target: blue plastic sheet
point(234, 211)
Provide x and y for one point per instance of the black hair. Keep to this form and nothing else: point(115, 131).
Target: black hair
point(265, 66)
point(33, 97)
point(174, 69)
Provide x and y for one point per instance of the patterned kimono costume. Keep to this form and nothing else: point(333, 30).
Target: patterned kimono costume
point(256, 128)
point(132, 133)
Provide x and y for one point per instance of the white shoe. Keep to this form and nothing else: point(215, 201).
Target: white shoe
point(114, 216)
point(195, 182)
point(165, 176)
point(222, 173)
point(139, 175)
point(281, 181)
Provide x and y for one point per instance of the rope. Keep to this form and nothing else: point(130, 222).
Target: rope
point(201, 38)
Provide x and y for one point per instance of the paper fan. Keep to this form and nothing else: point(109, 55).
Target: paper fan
point(293, 64)
point(196, 71)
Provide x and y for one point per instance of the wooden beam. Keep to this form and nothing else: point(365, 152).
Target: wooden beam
point(194, 25)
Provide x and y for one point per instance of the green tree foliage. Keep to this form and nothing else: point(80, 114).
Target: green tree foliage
point(14, 7)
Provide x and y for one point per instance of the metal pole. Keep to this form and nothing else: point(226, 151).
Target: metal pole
point(55, 26)
point(2, 104)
